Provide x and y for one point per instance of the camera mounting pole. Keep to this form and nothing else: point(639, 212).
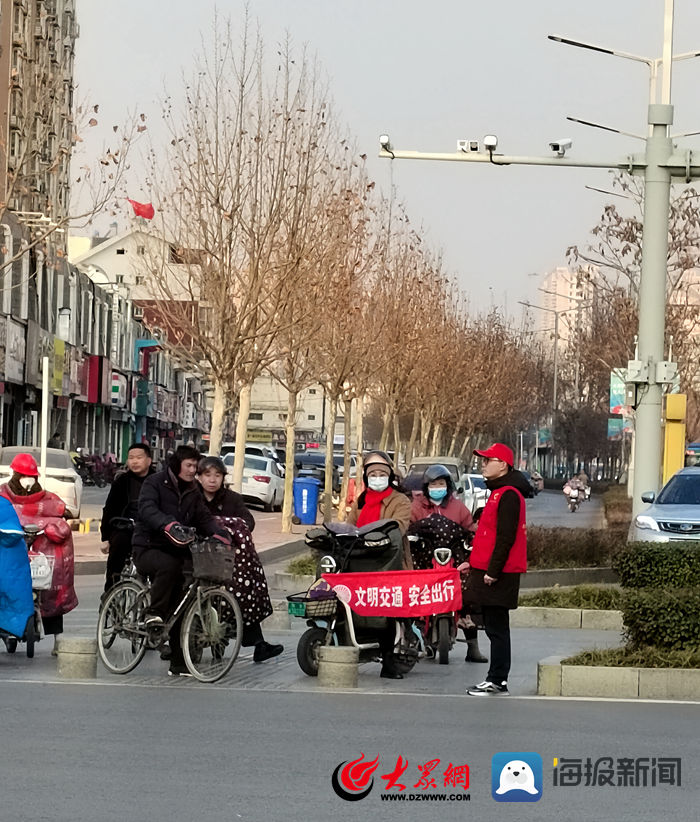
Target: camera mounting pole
point(660, 164)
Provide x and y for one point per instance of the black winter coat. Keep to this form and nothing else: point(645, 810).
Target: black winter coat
point(163, 501)
point(227, 503)
point(504, 592)
point(122, 500)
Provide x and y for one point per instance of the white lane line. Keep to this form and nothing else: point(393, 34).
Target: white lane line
point(188, 684)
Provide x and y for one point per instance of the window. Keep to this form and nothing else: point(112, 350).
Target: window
point(119, 278)
point(141, 250)
point(340, 419)
point(138, 279)
point(121, 251)
point(312, 390)
point(254, 415)
point(312, 416)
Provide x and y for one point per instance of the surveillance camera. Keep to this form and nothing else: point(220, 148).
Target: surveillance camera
point(384, 141)
point(559, 147)
point(467, 145)
point(490, 142)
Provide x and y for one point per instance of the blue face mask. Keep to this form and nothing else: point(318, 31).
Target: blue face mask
point(437, 494)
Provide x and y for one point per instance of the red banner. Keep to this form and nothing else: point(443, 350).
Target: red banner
point(399, 593)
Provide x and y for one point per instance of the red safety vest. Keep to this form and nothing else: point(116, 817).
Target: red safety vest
point(485, 537)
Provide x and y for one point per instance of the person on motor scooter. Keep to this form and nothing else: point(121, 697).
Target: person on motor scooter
point(123, 501)
point(36, 506)
point(381, 499)
point(169, 500)
point(438, 500)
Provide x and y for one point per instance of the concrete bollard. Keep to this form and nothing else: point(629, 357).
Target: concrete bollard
point(77, 658)
point(337, 667)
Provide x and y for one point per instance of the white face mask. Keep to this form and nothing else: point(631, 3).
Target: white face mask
point(27, 482)
point(378, 483)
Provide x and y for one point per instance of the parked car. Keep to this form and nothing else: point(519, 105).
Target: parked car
point(313, 464)
point(481, 493)
point(61, 477)
point(466, 493)
point(262, 482)
point(674, 514)
point(254, 450)
point(339, 463)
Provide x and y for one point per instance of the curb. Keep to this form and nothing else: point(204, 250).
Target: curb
point(550, 577)
point(555, 679)
point(540, 617)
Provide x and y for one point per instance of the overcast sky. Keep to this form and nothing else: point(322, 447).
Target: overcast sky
point(429, 72)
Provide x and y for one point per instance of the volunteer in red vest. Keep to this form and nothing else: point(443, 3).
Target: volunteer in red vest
point(498, 558)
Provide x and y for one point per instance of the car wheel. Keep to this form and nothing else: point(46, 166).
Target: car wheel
point(268, 507)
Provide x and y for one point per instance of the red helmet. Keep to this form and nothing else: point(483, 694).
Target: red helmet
point(25, 464)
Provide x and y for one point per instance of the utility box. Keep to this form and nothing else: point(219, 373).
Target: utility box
point(674, 434)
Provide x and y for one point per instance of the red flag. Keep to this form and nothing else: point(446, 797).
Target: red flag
point(144, 210)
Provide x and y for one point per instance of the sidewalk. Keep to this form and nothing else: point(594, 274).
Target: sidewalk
point(271, 544)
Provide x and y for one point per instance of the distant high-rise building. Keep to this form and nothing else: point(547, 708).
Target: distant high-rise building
point(570, 294)
point(37, 44)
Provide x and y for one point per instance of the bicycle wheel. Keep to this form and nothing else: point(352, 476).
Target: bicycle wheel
point(211, 634)
point(121, 636)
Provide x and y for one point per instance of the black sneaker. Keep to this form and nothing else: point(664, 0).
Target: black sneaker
point(178, 669)
point(487, 688)
point(264, 650)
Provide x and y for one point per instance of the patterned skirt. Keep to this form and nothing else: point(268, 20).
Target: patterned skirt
point(249, 584)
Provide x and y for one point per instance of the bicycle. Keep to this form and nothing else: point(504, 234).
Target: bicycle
point(212, 625)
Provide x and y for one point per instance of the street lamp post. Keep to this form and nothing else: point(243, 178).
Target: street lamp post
point(659, 164)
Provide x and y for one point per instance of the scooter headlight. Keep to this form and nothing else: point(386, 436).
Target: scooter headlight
point(442, 555)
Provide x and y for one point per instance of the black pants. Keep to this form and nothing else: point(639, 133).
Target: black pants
point(119, 553)
point(167, 575)
point(497, 628)
point(252, 635)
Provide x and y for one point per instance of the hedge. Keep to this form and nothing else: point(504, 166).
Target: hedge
point(645, 657)
point(663, 618)
point(573, 547)
point(595, 597)
point(659, 564)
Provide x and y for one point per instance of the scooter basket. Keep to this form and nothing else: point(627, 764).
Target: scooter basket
point(212, 561)
point(302, 605)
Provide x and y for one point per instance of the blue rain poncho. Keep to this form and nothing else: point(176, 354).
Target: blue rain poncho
point(16, 603)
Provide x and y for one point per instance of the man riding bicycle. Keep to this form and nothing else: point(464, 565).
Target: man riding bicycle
point(169, 500)
point(123, 502)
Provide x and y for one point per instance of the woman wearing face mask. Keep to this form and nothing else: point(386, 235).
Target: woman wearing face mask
point(382, 500)
point(35, 506)
point(438, 500)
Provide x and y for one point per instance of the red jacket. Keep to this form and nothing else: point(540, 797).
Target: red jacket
point(46, 510)
point(485, 537)
point(454, 510)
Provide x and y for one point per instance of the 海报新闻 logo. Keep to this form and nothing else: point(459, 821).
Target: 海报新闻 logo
point(516, 776)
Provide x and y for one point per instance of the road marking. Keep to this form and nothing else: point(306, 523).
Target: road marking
point(189, 684)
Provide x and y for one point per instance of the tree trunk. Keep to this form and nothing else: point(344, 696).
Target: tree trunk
point(414, 434)
point(328, 488)
point(217, 417)
point(359, 427)
point(346, 459)
point(437, 434)
point(397, 438)
point(241, 436)
point(386, 428)
point(453, 443)
point(424, 432)
point(289, 430)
